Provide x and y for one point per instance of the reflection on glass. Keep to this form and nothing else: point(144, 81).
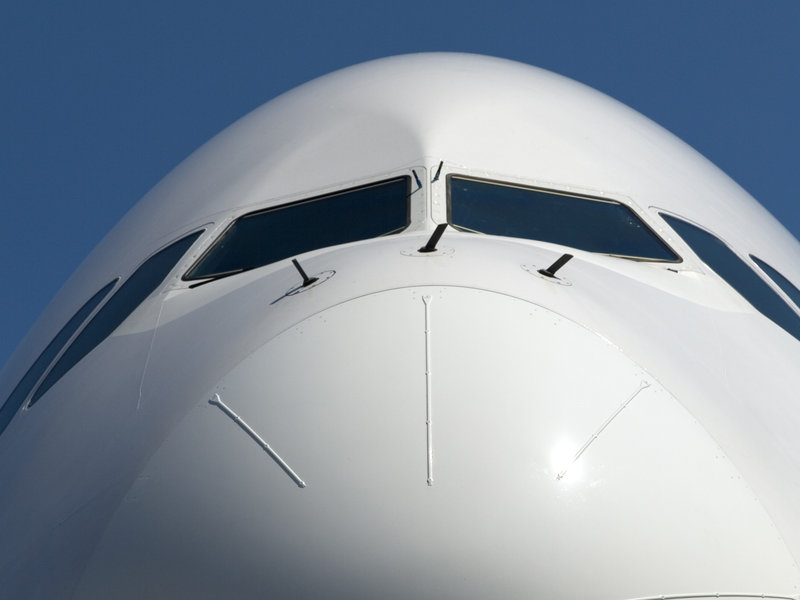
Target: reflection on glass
point(737, 273)
point(590, 224)
point(271, 235)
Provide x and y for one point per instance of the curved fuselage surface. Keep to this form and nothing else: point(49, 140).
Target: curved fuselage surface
point(270, 381)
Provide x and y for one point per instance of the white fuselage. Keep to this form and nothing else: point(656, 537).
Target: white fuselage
point(446, 424)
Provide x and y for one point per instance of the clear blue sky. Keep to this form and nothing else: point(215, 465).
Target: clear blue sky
point(101, 99)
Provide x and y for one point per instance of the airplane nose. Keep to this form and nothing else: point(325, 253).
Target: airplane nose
point(451, 442)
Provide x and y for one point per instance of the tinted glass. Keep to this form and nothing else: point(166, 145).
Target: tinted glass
point(584, 223)
point(24, 387)
point(268, 236)
point(127, 298)
point(737, 273)
point(787, 286)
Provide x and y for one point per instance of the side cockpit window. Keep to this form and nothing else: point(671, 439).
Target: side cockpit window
point(267, 236)
point(126, 299)
point(105, 320)
point(787, 286)
point(737, 273)
point(31, 377)
point(582, 222)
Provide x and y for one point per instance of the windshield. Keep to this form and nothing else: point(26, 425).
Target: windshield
point(267, 236)
point(581, 222)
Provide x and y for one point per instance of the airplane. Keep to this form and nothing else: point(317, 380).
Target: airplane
point(433, 326)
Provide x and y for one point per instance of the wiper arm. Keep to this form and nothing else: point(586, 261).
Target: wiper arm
point(216, 276)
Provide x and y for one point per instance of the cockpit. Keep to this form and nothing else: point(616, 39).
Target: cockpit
point(476, 206)
point(489, 207)
point(473, 206)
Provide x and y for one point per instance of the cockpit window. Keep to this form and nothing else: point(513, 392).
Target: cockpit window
point(787, 286)
point(267, 236)
point(126, 299)
point(592, 224)
point(739, 275)
point(28, 381)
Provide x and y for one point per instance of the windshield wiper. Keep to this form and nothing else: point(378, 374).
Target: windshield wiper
point(217, 276)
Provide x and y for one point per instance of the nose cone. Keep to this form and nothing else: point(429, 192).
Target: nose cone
point(454, 443)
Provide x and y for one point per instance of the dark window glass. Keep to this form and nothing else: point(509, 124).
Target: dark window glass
point(783, 283)
point(127, 298)
point(268, 236)
point(585, 223)
point(737, 273)
point(24, 387)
